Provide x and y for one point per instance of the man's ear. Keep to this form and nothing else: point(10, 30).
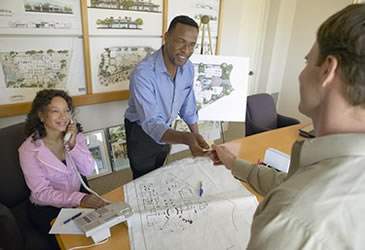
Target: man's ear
point(329, 70)
point(165, 37)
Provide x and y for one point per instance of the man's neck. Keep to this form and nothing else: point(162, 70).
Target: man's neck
point(171, 68)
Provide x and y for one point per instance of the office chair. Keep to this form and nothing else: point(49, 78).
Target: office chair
point(261, 115)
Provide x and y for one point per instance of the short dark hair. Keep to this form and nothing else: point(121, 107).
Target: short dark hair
point(183, 20)
point(33, 125)
point(342, 35)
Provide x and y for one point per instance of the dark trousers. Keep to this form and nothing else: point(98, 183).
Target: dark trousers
point(144, 153)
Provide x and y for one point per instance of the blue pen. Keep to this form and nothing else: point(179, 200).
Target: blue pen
point(201, 189)
point(72, 218)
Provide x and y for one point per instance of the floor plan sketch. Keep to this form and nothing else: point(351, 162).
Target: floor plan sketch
point(168, 208)
point(116, 63)
point(113, 59)
point(220, 85)
point(36, 69)
point(30, 64)
point(212, 82)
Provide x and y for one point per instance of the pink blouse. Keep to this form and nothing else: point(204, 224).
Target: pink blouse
point(50, 181)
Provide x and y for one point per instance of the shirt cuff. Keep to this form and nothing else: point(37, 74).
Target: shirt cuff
point(241, 169)
point(191, 119)
point(158, 132)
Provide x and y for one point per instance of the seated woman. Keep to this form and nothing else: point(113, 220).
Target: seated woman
point(47, 169)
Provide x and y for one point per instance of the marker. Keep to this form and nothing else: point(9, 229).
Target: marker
point(72, 218)
point(201, 189)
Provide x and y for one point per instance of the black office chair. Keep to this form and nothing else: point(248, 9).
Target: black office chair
point(261, 115)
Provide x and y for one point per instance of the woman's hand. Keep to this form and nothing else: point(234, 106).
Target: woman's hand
point(92, 201)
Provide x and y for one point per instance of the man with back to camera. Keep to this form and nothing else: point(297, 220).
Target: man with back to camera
point(319, 204)
point(161, 88)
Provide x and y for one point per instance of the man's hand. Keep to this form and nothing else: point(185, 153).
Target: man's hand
point(92, 201)
point(221, 155)
point(198, 146)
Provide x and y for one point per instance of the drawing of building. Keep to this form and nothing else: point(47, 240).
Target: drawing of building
point(47, 7)
point(134, 5)
point(39, 25)
point(119, 23)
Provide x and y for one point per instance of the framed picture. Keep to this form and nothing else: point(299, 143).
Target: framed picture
point(118, 147)
point(96, 142)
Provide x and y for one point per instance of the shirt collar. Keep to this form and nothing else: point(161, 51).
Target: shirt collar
point(311, 151)
point(160, 63)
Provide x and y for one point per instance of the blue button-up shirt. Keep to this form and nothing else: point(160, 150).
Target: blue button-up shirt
point(156, 99)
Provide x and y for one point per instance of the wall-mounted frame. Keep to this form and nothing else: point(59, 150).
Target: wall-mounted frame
point(24, 18)
point(118, 147)
point(97, 145)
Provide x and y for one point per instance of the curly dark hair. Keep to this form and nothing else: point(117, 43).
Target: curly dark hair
point(33, 125)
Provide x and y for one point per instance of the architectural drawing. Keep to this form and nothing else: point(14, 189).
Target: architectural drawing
point(212, 82)
point(220, 85)
point(48, 6)
point(130, 5)
point(36, 69)
point(168, 208)
point(119, 23)
point(40, 17)
point(116, 63)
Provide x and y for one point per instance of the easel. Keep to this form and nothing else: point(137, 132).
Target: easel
point(204, 21)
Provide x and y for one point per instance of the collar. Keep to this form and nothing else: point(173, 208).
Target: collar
point(311, 151)
point(160, 66)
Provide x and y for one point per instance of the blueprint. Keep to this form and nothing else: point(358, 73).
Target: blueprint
point(169, 212)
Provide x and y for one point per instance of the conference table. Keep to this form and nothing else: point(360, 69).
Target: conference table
point(251, 148)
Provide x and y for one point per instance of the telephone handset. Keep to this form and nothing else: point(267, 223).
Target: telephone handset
point(68, 135)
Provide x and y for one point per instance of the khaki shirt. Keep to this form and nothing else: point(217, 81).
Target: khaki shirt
point(319, 204)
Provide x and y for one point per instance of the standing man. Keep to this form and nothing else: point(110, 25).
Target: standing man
point(161, 88)
point(319, 204)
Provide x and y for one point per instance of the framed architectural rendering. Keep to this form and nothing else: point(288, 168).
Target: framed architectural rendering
point(118, 147)
point(97, 145)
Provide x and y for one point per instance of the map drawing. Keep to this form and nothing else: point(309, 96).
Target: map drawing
point(116, 63)
point(168, 208)
point(36, 69)
point(212, 82)
point(220, 86)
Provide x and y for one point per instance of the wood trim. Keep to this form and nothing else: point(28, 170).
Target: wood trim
point(81, 100)
point(218, 45)
point(86, 43)
point(164, 18)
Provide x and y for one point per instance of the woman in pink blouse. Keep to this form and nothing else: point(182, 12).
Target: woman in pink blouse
point(47, 169)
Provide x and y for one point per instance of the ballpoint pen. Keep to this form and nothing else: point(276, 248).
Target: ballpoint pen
point(72, 218)
point(201, 189)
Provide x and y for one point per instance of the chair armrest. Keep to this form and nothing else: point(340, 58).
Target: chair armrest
point(284, 121)
point(10, 236)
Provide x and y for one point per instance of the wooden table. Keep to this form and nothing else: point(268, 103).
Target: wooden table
point(250, 148)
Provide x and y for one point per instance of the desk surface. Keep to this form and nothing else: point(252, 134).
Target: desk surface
point(250, 148)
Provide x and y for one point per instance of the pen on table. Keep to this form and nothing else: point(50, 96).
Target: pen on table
point(201, 189)
point(72, 218)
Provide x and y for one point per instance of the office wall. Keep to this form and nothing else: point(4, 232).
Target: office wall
point(309, 14)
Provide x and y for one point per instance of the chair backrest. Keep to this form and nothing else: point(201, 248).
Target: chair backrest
point(13, 187)
point(260, 113)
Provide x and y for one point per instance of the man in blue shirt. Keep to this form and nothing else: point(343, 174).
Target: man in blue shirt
point(161, 88)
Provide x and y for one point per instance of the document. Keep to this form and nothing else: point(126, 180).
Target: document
point(277, 159)
point(59, 227)
point(189, 204)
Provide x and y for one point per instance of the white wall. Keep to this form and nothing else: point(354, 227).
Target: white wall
point(309, 14)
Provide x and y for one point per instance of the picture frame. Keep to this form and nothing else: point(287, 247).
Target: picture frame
point(118, 147)
point(97, 145)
